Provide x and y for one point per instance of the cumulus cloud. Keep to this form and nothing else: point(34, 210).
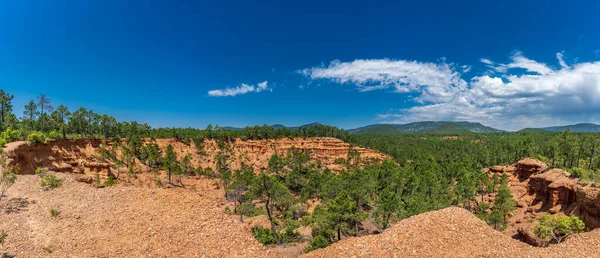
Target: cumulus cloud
point(521, 93)
point(242, 89)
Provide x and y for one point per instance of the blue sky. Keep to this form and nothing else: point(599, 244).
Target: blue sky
point(343, 63)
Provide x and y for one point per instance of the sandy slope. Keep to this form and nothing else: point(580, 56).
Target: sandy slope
point(119, 222)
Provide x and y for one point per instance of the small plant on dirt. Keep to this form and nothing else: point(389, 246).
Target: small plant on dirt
point(110, 181)
point(39, 170)
point(227, 210)
point(3, 237)
point(97, 182)
point(54, 212)
point(7, 178)
point(50, 181)
point(159, 183)
point(48, 249)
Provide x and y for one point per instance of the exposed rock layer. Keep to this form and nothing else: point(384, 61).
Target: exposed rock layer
point(83, 155)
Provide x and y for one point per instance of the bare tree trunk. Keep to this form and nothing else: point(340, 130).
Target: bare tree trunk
point(272, 223)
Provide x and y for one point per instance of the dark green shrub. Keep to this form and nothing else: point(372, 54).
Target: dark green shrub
point(263, 235)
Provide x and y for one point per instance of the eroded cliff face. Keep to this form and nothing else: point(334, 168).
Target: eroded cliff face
point(539, 190)
point(83, 155)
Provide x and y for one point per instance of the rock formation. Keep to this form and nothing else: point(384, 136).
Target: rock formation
point(539, 190)
point(83, 155)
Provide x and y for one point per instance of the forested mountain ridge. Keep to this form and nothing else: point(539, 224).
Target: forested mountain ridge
point(426, 126)
point(576, 128)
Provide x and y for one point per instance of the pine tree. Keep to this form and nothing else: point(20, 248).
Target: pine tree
point(504, 202)
point(31, 113)
point(5, 107)
point(61, 115)
point(170, 161)
point(44, 104)
point(271, 191)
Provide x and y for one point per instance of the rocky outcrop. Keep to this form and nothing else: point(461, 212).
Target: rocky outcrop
point(540, 191)
point(525, 168)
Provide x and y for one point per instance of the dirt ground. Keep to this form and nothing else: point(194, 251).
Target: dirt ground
point(454, 232)
point(120, 221)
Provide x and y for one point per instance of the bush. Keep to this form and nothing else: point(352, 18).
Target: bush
point(316, 243)
point(39, 170)
point(263, 235)
point(11, 135)
point(36, 137)
point(249, 210)
point(557, 228)
point(54, 212)
point(50, 181)
point(54, 135)
point(110, 181)
point(290, 232)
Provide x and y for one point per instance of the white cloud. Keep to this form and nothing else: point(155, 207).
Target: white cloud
point(486, 61)
point(561, 60)
point(466, 68)
point(242, 89)
point(436, 81)
point(519, 61)
point(511, 100)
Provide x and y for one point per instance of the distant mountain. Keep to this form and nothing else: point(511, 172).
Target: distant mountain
point(376, 129)
point(427, 126)
point(448, 128)
point(577, 128)
point(275, 126)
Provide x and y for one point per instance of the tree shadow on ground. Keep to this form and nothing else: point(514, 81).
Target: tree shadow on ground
point(14, 205)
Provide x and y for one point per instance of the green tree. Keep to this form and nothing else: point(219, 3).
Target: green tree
point(504, 202)
point(31, 113)
point(170, 161)
point(343, 214)
point(271, 191)
point(388, 206)
point(60, 116)
point(44, 104)
point(495, 218)
point(5, 108)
